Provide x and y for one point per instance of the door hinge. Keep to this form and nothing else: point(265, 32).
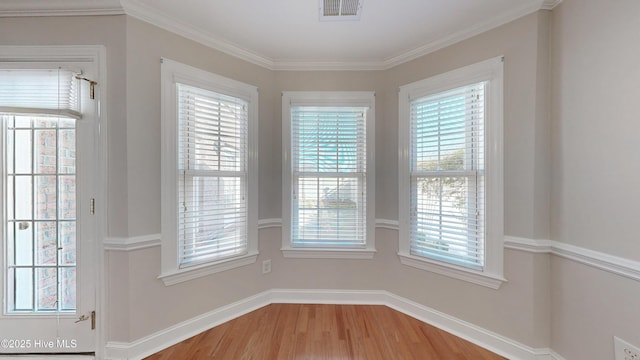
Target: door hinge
point(92, 206)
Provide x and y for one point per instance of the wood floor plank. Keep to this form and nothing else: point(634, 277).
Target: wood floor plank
point(323, 332)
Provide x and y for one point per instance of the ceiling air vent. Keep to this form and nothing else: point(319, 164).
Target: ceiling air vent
point(333, 10)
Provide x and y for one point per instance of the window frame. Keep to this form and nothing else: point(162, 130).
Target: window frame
point(491, 71)
point(328, 99)
point(172, 73)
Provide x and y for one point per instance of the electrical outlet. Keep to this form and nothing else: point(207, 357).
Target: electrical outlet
point(266, 268)
point(624, 350)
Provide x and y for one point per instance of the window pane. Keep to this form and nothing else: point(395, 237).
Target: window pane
point(213, 220)
point(68, 288)
point(328, 212)
point(67, 234)
point(67, 193)
point(212, 189)
point(10, 180)
point(23, 283)
point(45, 151)
point(67, 151)
point(46, 288)
point(23, 243)
point(448, 205)
point(23, 122)
point(46, 197)
point(23, 202)
point(22, 151)
point(46, 243)
point(35, 201)
point(45, 122)
point(329, 141)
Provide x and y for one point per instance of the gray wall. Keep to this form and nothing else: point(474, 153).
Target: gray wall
point(570, 77)
point(512, 310)
point(596, 171)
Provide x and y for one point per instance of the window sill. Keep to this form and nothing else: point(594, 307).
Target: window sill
point(194, 272)
point(319, 253)
point(493, 281)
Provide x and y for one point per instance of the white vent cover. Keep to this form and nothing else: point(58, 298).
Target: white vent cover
point(331, 10)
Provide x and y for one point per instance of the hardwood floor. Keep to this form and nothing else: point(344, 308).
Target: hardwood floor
point(301, 331)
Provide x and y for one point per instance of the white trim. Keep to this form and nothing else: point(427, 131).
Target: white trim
point(140, 11)
point(299, 65)
point(17, 8)
point(174, 334)
point(150, 15)
point(614, 264)
point(550, 4)
point(155, 342)
point(490, 70)
point(328, 98)
point(387, 224)
point(528, 245)
point(96, 55)
point(555, 356)
point(489, 280)
point(269, 223)
point(333, 253)
point(56, 54)
point(131, 243)
point(461, 35)
point(599, 260)
point(173, 73)
point(185, 274)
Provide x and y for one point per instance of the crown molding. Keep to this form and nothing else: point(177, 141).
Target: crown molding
point(139, 11)
point(147, 14)
point(464, 34)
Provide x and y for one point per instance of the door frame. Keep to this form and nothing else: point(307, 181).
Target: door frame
point(95, 54)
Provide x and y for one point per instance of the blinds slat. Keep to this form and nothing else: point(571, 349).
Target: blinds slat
point(329, 172)
point(213, 151)
point(447, 176)
point(47, 92)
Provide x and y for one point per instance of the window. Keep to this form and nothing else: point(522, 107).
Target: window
point(451, 197)
point(38, 113)
point(328, 174)
point(209, 173)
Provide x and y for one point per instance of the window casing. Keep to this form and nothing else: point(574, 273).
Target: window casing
point(328, 174)
point(209, 173)
point(451, 187)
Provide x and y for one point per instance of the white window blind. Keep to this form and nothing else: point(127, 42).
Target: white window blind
point(447, 176)
point(45, 92)
point(328, 149)
point(212, 185)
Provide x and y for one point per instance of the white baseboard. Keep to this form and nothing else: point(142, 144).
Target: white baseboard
point(155, 342)
point(184, 330)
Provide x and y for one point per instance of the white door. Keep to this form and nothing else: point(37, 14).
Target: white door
point(48, 228)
